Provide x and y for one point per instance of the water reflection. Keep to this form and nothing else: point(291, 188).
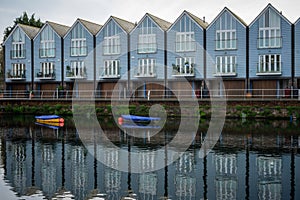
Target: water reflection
point(252, 160)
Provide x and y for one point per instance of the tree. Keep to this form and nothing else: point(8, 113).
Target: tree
point(23, 19)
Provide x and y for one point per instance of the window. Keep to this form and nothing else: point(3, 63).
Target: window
point(78, 41)
point(111, 68)
point(18, 44)
point(226, 65)
point(146, 67)
point(47, 43)
point(226, 32)
point(47, 70)
point(111, 45)
point(147, 37)
point(184, 66)
point(269, 64)
point(18, 71)
point(185, 41)
point(269, 30)
point(77, 70)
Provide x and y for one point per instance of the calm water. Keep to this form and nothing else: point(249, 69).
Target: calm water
point(252, 160)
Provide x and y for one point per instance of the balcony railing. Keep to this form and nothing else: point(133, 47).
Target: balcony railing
point(111, 49)
point(14, 54)
point(45, 76)
point(145, 72)
point(269, 42)
point(226, 44)
point(266, 69)
point(111, 72)
point(186, 70)
point(226, 70)
point(185, 46)
point(17, 75)
point(78, 51)
point(47, 53)
point(147, 47)
point(76, 74)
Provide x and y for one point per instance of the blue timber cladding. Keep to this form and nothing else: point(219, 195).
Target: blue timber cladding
point(197, 53)
point(239, 51)
point(9, 61)
point(158, 54)
point(111, 28)
point(38, 59)
point(285, 50)
point(88, 58)
point(297, 48)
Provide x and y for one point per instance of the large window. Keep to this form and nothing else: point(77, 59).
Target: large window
point(111, 45)
point(78, 41)
point(146, 67)
point(77, 70)
point(47, 43)
point(269, 64)
point(184, 66)
point(18, 44)
point(18, 71)
point(185, 41)
point(111, 68)
point(47, 70)
point(226, 37)
point(269, 30)
point(226, 65)
point(147, 37)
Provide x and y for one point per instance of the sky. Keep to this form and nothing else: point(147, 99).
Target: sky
point(98, 11)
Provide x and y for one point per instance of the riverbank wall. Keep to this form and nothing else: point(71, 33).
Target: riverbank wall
point(287, 108)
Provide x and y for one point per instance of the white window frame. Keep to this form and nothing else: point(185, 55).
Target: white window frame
point(185, 41)
point(184, 68)
point(47, 49)
point(226, 39)
point(47, 68)
point(269, 64)
point(226, 65)
point(111, 69)
point(146, 67)
point(111, 45)
point(78, 47)
point(78, 69)
point(269, 37)
point(18, 70)
point(18, 50)
point(147, 43)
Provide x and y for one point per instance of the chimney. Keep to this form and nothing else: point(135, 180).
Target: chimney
point(203, 18)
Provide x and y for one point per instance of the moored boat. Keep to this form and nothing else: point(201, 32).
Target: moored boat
point(49, 119)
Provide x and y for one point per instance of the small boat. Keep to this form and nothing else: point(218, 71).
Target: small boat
point(136, 118)
point(49, 119)
point(51, 125)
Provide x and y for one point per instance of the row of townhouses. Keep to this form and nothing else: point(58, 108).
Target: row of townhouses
point(153, 52)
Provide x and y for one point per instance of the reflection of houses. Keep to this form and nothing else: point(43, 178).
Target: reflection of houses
point(269, 177)
point(226, 176)
point(148, 185)
point(185, 182)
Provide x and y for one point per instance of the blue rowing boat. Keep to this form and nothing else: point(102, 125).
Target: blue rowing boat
point(46, 117)
point(136, 118)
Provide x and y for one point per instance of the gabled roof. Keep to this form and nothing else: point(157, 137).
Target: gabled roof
point(232, 13)
point(60, 29)
point(196, 19)
point(90, 26)
point(30, 31)
point(298, 20)
point(163, 24)
point(269, 6)
point(125, 25)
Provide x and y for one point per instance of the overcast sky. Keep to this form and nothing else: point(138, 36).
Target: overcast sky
point(98, 11)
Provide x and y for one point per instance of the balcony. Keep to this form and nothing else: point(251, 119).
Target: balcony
point(17, 75)
point(47, 53)
point(78, 51)
point(15, 54)
point(111, 72)
point(145, 72)
point(267, 69)
point(76, 73)
point(183, 71)
point(45, 76)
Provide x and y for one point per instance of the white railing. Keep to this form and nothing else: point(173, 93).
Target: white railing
point(201, 94)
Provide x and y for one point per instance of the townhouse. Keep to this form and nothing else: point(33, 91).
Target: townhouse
point(154, 56)
point(270, 53)
point(226, 52)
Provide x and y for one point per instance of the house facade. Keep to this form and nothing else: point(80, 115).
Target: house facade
point(185, 54)
point(112, 55)
point(19, 62)
point(270, 53)
point(147, 61)
point(226, 48)
point(79, 47)
point(48, 57)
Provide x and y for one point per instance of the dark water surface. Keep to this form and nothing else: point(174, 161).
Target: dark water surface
point(252, 160)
